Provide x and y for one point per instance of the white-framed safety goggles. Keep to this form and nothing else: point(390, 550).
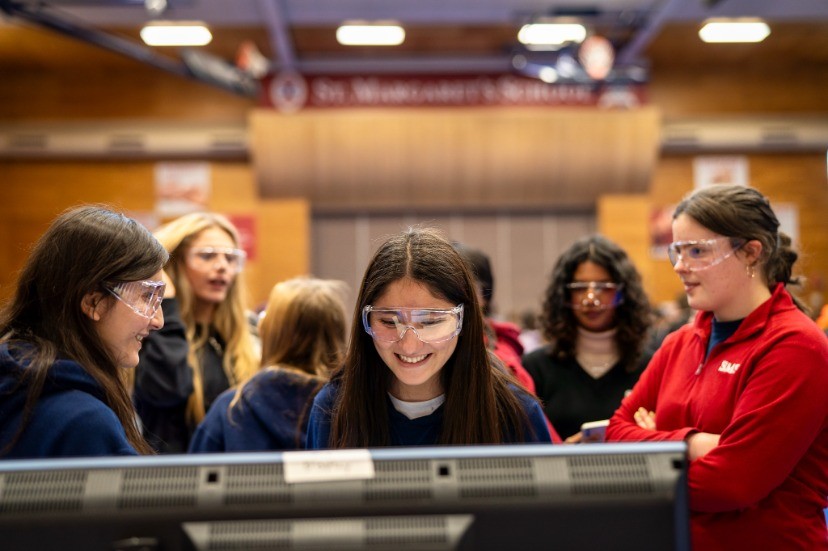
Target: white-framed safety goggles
point(142, 297)
point(701, 254)
point(210, 256)
point(431, 325)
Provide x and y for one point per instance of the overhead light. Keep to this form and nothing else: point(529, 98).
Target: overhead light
point(370, 34)
point(551, 34)
point(176, 34)
point(734, 30)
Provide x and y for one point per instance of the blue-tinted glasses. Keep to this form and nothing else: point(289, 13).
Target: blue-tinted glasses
point(431, 325)
point(142, 297)
point(595, 295)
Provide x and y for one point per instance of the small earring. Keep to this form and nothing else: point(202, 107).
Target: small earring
point(751, 271)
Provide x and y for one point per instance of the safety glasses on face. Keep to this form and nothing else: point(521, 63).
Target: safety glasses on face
point(702, 254)
point(210, 256)
point(595, 295)
point(142, 297)
point(431, 325)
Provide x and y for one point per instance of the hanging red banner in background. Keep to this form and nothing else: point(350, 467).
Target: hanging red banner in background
point(290, 92)
point(246, 226)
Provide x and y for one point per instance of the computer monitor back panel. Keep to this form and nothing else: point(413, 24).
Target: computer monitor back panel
point(613, 496)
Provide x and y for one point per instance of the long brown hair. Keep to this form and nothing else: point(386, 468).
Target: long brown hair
point(480, 406)
point(83, 249)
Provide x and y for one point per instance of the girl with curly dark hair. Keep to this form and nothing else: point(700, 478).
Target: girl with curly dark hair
point(596, 318)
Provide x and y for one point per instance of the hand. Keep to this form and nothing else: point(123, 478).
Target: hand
point(645, 419)
point(169, 290)
point(699, 444)
point(574, 439)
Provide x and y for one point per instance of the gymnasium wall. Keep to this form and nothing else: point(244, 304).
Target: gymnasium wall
point(296, 228)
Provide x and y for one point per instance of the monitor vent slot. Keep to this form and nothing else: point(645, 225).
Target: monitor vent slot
point(610, 475)
point(242, 535)
point(42, 491)
point(399, 480)
point(162, 487)
point(423, 533)
point(248, 484)
point(405, 531)
point(498, 477)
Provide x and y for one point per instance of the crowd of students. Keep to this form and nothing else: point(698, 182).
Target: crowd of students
point(137, 343)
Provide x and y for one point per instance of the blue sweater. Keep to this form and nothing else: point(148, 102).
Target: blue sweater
point(270, 416)
point(423, 431)
point(70, 418)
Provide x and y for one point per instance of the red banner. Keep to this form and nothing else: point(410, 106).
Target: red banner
point(290, 92)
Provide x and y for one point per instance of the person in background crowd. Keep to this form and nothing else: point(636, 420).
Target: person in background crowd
point(668, 317)
point(417, 371)
point(87, 297)
point(206, 346)
point(303, 339)
point(531, 337)
point(744, 386)
point(502, 337)
point(596, 318)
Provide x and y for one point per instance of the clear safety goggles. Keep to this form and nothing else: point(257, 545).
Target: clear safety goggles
point(142, 297)
point(430, 325)
point(595, 295)
point(702, 254)
point(210, 256)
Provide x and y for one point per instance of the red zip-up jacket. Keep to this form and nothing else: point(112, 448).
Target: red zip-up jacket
point(765, 391)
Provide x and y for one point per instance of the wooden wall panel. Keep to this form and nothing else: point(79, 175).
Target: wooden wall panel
point(683, 93)
point(35, 192)
point(138, 93)
point(458, 158)
point(283, 229)
point(623, 219)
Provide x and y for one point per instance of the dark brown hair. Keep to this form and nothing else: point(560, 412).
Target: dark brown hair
point(480, 407)
point(744, 214)
point(83, 249)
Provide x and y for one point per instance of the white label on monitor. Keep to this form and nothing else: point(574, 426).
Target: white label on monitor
point(327, 465)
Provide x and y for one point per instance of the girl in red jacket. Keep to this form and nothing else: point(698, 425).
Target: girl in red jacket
point(744, 385)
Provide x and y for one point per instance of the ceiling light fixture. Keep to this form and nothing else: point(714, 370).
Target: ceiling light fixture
point(175, 34)
point(734, 30)
point(370, 34)
point(551, 34)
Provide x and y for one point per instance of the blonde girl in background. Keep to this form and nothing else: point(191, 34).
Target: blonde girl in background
point(206, 345)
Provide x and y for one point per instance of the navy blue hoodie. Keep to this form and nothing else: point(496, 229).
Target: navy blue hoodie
point(422, 431)
point(70, 418)
point(270, 416)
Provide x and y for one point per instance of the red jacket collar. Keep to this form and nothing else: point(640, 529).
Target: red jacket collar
point(779, 301)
